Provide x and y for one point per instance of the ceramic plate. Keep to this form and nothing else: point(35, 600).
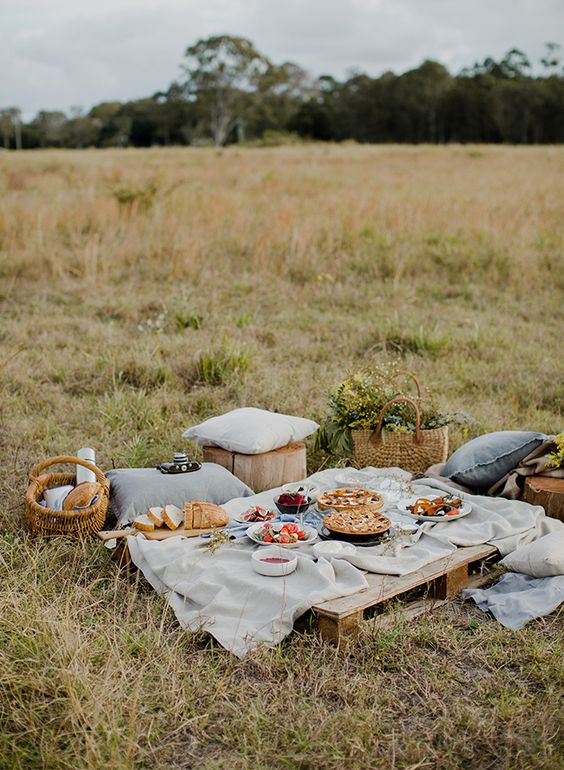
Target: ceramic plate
point(354, 479)
point(240, 518)
point(277, 526)
point(327, 548)
point(465, 509)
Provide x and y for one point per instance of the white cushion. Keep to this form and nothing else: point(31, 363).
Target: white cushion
point(251, 431)
point(541, 558)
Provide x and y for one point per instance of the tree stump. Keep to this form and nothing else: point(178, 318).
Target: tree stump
point(548, 492)
point(265, 470)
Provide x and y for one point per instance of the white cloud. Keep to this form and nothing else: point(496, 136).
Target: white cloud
point(58, 53)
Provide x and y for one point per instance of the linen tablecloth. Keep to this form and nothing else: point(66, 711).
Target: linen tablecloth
point(222, 594)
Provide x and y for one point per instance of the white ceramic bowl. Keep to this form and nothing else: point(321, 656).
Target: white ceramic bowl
point(304, 488)
point(354, 479)
point(329, 548)
point(274, 568)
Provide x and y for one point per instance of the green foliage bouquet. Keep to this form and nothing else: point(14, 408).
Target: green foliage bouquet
point(556, 458)
point(356, 403)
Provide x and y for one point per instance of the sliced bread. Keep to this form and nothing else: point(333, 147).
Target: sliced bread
point(173, 517)
point(201, 515)
point(156, 515)
point(188, 516)
point(144, 523)
point(196, 516)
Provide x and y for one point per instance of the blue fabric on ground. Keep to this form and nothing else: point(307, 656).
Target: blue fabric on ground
point(516, 598)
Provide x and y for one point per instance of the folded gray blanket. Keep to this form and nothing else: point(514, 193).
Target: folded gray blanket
point(515, 598)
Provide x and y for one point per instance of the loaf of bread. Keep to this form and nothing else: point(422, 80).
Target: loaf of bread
point(81, 495)
point(144, 523)
point(172, 516)
point(200, 515)
point(156, 515)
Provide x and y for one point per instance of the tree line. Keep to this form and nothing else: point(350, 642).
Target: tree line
point(230, 92)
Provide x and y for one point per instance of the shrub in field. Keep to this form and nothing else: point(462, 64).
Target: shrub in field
point(142, 375)
point(135, 197)
point(135, 452)
point(272, 138)
point(215, 366)
point(185, 318)
point(422, 340)
point(130, 411)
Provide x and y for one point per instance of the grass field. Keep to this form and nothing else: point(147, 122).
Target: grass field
point(144, 290)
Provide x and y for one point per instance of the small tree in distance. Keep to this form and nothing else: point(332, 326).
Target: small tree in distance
point(223, 73)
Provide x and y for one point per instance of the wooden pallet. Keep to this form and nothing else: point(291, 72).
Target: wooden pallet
point(445, 578)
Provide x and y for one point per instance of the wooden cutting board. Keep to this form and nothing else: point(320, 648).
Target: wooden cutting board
point(162, 533)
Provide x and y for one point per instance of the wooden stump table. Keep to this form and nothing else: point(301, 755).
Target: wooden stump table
point(265, 470)
point(547, 492)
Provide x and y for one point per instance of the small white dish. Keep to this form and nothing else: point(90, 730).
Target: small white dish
point(274, 561)
point(304, 488)
point(276, 526)
point(354, 479)
point(330, 548)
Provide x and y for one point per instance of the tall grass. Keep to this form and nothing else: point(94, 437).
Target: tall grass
point(259, 277)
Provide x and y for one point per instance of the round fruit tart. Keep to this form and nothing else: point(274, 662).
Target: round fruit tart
point(345, 498)
point(363, 521)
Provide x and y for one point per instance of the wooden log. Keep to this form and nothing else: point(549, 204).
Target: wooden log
point(265, 470)
point(547, 492)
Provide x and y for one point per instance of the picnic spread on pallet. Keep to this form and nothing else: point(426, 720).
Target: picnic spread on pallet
point(244, 544)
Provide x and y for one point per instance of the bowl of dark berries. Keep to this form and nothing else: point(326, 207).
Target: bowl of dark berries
point(292, 503)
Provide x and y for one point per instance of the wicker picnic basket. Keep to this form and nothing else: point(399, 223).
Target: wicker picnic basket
point(413, 452)
point(47, 521)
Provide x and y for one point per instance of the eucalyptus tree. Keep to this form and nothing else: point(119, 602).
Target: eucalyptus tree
point(10, 124)
point(223, 73)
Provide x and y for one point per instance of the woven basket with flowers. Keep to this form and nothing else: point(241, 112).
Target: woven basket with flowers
point(377, 423)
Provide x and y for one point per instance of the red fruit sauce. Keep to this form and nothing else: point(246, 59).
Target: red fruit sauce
point(275, 560)
point(292, 498)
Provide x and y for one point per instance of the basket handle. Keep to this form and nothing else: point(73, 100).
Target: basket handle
point(37, 469)
point(406, 399)
point(414, 378)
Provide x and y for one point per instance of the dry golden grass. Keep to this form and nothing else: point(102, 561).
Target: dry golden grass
point(143, 290)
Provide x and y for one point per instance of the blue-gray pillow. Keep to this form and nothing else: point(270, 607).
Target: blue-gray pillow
point(134, 490)
point(486, 459)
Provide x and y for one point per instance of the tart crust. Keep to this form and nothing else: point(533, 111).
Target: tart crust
point(345, 498)
point(363, 520)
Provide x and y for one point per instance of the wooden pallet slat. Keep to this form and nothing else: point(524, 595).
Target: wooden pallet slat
point(446, 577)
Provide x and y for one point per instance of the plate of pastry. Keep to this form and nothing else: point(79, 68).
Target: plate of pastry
point(344, 498)
point(445, 508)
point(357, 524)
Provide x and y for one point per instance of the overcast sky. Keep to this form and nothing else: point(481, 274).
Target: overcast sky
point(55, 54)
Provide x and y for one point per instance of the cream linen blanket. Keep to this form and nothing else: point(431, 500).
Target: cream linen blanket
point(222, 594)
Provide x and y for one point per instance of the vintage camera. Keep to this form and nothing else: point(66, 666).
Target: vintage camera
point(180, 464)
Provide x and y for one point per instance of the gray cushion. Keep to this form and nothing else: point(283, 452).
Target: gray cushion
point(485, 460)
point(134, 490)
